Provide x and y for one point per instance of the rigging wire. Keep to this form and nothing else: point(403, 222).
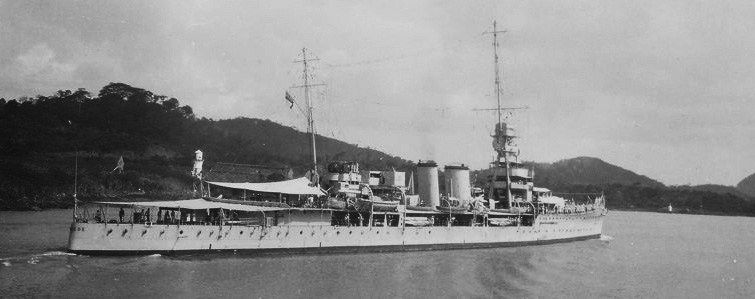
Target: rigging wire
point(419, 53)
point(452, 47)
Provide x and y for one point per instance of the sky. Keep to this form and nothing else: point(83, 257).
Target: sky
point(662, 88)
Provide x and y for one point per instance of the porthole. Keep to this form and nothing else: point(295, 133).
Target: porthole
point(181, 232)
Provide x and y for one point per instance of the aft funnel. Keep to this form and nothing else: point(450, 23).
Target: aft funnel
point(427, 177)
point(457, 182)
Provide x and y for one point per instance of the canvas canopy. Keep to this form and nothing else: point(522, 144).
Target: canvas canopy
point(558, 201)
point(295, 186)
point(193, 204)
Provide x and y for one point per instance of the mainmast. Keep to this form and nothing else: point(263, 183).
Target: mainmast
point(309, 113)
point(310, 119)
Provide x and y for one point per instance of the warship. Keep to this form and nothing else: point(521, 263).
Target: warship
point(347, 210)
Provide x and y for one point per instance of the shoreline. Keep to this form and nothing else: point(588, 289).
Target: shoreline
point(687, 212)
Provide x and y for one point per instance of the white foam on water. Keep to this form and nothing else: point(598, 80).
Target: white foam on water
point(56, 253)
point(606, 238)
point(33, 259)
point(155, 255)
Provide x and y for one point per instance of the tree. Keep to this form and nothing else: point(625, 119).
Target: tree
point(187, 112)
point(171, 104)
point(124, 91)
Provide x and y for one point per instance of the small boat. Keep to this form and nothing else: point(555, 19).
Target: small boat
point(418, 208)
point(376, 204)
point(512, 210)
point(418, 221)
point(502, 221)
point(452, 210)
point(334, 203)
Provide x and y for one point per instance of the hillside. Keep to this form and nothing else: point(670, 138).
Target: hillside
point(41, 137)
point(588, 171)
point(255, 141)
point(580, 177)
point(718, 189)
point(747, 185)
point(581, 171)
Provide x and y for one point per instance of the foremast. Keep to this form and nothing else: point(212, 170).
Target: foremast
point(500, 139)
point(506, 150)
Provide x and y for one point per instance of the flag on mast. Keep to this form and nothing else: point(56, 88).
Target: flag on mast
point(290, 99)
point(120, 166)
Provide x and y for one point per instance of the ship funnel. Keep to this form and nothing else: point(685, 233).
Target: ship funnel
point(427, 178)
point(457, 182)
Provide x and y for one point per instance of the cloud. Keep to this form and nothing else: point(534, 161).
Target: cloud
point(605, 79)
point(38, 67)
point(37, 59)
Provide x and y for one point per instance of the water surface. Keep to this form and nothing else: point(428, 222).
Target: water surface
point(642, 255)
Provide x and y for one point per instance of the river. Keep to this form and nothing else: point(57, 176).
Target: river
point(641, 255)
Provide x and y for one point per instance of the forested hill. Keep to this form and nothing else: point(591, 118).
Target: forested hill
point(747, 185)
point(581, 171)
point(588, 171)
point(41, 137)
point(585, 176)
point(155, 135)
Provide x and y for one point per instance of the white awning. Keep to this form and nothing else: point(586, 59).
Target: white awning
point(558, 201)
point(193, 204)
point(295, 186)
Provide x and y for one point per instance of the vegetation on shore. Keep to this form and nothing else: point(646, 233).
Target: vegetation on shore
point(46, 140)
point(579, 178)
point(42, 139)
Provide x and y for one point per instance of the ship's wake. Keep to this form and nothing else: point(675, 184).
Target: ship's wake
point(56, 253)
point(606, 238)
point(32, 259)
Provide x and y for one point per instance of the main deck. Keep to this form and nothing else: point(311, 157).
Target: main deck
point(300, 237)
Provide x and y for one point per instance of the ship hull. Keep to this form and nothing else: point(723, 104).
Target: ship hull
point(141, 239)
